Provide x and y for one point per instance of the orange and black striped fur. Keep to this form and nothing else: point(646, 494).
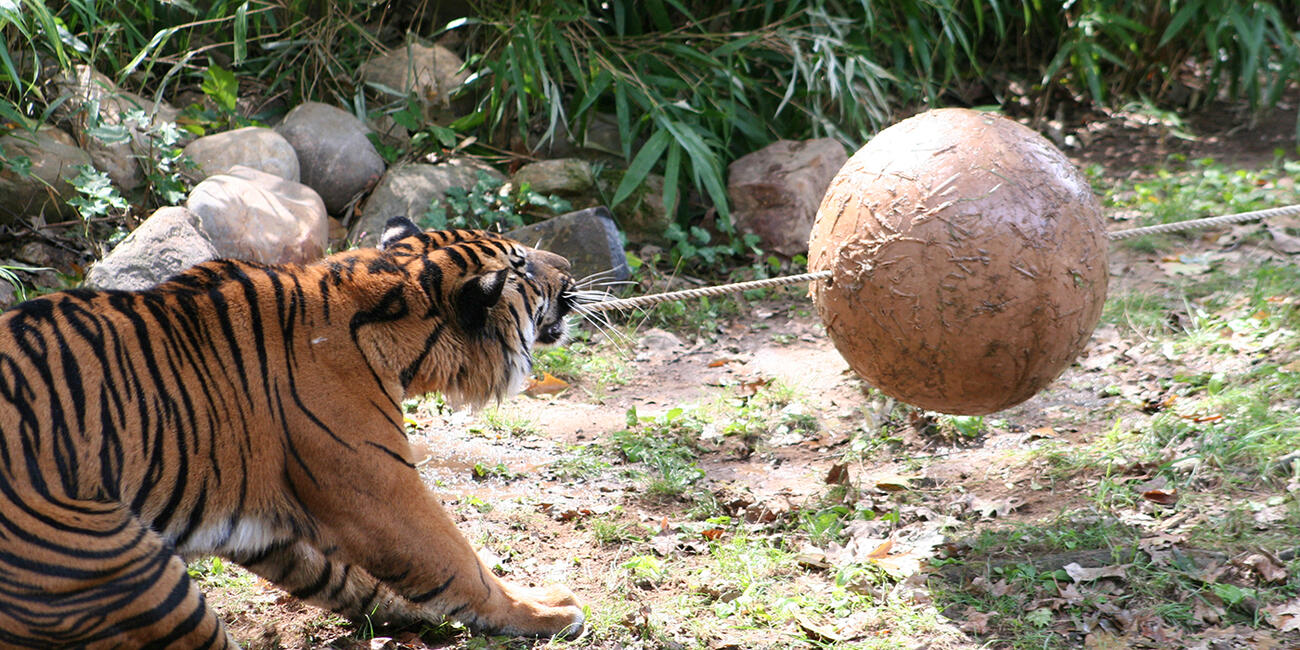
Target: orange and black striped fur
point(254, 412)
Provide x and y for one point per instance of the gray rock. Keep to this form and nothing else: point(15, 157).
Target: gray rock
point(87, 89)
point(256, 147)
point(431, 73)
point(559, 176)
point(335, 157)
point(775, 191)
point(168, 242)
point(408, 190)
point(588, 238)
point(252, 215)
point(54, 158)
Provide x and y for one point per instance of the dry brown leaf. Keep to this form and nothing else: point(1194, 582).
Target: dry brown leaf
point(1163, 497)
point(1268, 568)
point(548, 385)
point(1285, 616)
point(751, 387)
point(838, 474)
point(976, 622)
point(1081, 574)
point(712, 534)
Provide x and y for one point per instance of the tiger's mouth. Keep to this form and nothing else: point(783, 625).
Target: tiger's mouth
point(555, 328)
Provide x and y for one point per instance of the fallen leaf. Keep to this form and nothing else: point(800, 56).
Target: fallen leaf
point(812, 557)
point(1163, 497)
point(748, 388)
point(1293, 366)
point(1268, 568)
point(818, 632)
point(548, 385)
point(1285, 616)
point(711, 534)
point(976, 622)
point(1078, 573)
point(882, 550)
point(1283, 242)
point(893, 483)
point(838, 475)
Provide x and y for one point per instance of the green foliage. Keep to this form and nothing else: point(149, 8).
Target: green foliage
point(96, 195)
point(491, 204)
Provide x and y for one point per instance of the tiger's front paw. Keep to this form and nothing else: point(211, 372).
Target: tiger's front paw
point(544, 611)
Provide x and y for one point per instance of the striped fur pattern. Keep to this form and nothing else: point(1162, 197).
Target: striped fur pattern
point(254, 412)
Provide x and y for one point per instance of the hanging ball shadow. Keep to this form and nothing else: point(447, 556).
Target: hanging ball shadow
point(968, 261)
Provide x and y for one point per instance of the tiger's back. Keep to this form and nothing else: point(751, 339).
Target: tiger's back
point(253, 412)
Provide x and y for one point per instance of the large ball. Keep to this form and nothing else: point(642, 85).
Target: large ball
point(968, 259)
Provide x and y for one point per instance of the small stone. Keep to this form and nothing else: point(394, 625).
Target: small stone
point(165, 244)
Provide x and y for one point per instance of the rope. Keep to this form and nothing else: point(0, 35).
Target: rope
point(640, 302)
point(1207, 222)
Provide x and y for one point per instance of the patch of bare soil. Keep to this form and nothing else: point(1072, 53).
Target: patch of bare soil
point(508, 489)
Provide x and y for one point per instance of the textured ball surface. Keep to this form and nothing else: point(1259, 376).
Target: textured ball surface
point(968, 258)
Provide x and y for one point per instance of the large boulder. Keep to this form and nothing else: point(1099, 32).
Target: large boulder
point(252, 215)
point(257, 147)
point(91, 93)
point(44, 185)
point(775, 191)
point(409, 189)
point(589, 239)
point(168, 242)
point(431, 73)
point(335, 157)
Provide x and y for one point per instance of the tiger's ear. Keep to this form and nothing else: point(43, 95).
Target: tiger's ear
point(397, 228)
point(477, 297)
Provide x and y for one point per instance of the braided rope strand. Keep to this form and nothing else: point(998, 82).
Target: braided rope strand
point(639, 302)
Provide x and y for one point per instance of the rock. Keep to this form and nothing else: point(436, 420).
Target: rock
point(335, 157)
point(409, 189)
point(252, 215)
point(41, 254)
point(255, 147)
point(642, 215)
point(775, 191)
point(588, 238)
point(46, 186)
point(566, 176)
point(168, 242)
point(85, 89)
point(431, 73)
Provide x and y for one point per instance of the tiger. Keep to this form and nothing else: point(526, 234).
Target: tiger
point(254, 412)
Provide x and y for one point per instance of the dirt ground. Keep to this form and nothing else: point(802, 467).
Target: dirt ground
point(534, 520)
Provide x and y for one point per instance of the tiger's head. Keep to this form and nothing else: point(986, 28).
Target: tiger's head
point(467, 312)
